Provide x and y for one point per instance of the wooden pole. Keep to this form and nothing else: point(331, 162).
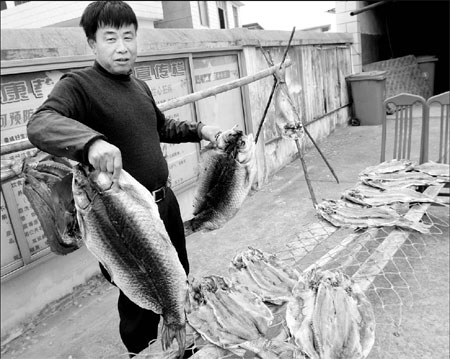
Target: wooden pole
point(21, 145)
point(275, 80)
point(184, 100)
point(286, 92)
point(178, 102)
point(305, 171)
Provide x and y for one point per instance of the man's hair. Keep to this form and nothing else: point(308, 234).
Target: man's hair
point(106, 13)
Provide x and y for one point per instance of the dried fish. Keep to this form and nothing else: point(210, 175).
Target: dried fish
point(48, 188)
point(440, 170)
point(370, 196)
point(389, 167)
point(330, 317)
point(344, 214)
point(122, 228)
point(226, 174)
point(263, 274)
point(231, 316)
point(399, 179)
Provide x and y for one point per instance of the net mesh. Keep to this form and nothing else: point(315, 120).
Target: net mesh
point(399, 284)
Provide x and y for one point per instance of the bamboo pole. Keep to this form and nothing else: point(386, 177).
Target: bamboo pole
point(184, 100)
point(178, 102)
point(305, 172)
point(21, 145)
point(10, 169)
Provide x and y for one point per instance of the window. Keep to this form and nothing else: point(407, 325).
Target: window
point(222, 9)
point(19, 2)
point(235, 16)
point(3, 3)
point(203, 12)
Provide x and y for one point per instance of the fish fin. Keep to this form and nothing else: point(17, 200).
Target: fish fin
point(109, 271)
point(188, 230)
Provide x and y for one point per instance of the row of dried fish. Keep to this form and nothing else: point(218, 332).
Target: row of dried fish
point(397, 174)
point(382, 187)
point(327, 315)
point(345, 214)
point(374, 197)
point(432, 168)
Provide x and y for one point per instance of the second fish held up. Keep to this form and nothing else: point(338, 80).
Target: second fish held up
point(226, 174)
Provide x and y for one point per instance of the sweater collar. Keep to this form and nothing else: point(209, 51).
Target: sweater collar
point(102, 70)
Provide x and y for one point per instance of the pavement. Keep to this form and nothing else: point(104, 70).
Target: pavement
point(274, 219)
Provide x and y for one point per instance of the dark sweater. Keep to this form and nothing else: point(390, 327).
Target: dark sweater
point(91, 103)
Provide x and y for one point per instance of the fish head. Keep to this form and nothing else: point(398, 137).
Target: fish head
point(245, 149)
point(83, 190)
point(228, 139)
point(102, 181)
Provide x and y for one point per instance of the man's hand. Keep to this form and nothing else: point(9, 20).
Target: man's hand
point(105, 157)
point(210, 133)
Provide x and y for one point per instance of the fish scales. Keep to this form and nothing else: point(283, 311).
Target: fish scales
point(121, 227)
point(226, 174)
point(126, 250)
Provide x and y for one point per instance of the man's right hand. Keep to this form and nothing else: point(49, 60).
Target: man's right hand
point(105, 157)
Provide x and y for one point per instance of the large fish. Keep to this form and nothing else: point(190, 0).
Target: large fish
point(121, 227)
point(226, 174)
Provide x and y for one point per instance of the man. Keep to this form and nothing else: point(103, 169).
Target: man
point(105, 117)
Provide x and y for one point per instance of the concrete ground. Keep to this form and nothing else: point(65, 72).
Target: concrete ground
point(411, 308)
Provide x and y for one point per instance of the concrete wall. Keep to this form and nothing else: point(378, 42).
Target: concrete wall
point(316, 79)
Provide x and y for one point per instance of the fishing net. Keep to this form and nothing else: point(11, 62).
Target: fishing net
point(396, 269)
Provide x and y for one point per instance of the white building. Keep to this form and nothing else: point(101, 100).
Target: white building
point(150, 14)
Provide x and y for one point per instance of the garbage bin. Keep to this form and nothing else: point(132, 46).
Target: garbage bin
point(368, 90)
point(427, 67)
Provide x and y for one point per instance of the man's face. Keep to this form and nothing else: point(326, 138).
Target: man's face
point(115, 49)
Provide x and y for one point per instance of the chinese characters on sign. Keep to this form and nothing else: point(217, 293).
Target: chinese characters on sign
point(10, 250)
point(21, 95)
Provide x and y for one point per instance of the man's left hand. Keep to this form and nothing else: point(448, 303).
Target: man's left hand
point(210, 133)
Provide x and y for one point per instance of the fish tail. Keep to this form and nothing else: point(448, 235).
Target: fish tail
point(171, 332)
